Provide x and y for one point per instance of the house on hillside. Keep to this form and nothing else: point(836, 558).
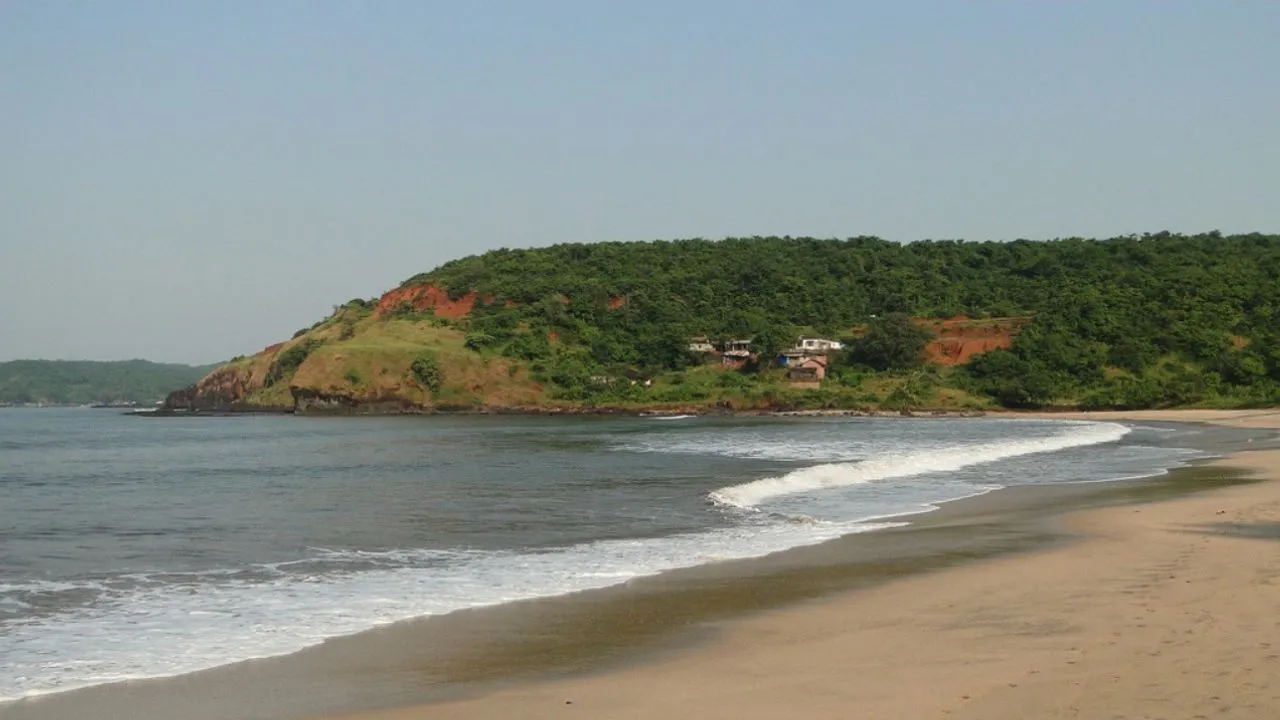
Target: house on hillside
point(819, 345)
point(810, 373)
point(807, 348)
point(737, 352)
point(793, 357)
point(701, 345)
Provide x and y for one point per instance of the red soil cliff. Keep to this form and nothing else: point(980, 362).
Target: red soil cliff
point(958, 339)
point(424, 297)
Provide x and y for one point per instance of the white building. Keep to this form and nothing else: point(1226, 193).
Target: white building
point(818, 345)
point(701, 345)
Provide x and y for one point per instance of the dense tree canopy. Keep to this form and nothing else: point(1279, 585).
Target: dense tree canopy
point(892, 342)
point(62, 382)
point(1130, 321)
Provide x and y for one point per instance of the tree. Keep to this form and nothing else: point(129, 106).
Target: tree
point(891, 342)
point(769, 341)
point(1241, 367)
point(1011, 380)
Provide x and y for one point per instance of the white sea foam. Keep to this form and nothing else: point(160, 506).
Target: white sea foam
point(141, 625)
point(153, 628)
point(907, 464)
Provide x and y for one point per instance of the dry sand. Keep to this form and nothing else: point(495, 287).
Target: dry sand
point(1164, 610)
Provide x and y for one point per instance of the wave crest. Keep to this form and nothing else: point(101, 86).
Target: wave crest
point(749, 495)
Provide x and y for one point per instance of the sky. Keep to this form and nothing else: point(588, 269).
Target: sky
point(190, 181)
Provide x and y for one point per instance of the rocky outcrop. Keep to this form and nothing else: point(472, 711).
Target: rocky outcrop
point(223, 390)
point(307, 401)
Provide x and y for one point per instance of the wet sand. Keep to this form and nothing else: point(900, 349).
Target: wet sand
point(982, 598)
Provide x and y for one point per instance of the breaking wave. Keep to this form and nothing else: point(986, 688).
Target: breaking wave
point(750, 495)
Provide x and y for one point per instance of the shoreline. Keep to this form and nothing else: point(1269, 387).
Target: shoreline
point(1163, 606)
point(380, 658)
point(701, 411)
point(551, 411)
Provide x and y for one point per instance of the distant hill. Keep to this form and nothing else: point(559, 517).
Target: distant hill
point(79, 382)
point(1158, 320)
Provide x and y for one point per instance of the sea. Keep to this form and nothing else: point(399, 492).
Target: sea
point(134, 547)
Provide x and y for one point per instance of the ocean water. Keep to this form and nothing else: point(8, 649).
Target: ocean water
point(134, 547)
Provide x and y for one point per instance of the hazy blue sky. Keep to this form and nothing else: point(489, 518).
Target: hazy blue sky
point(188, 181)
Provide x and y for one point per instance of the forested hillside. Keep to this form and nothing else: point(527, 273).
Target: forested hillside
point(63, 382)
point(1130, 321)
point(1140, 321)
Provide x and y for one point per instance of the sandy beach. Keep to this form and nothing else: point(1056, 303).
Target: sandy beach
point(1152, 597)
point(1159, 610)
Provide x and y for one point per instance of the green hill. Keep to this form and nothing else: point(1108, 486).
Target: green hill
point(65, 382)
point(1137, 321)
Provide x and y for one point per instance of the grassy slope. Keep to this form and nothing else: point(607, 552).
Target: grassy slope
point(372, 363)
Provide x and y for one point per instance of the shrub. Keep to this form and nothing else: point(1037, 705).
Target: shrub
point(912, 393)
point(402, 309)
point(733, 380)
point(288, 361)
point(426, 370)
point(846, 377)
point(478, 340)
point(568, 370)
